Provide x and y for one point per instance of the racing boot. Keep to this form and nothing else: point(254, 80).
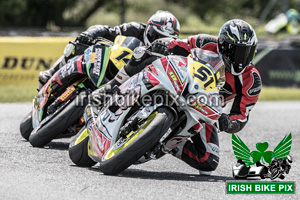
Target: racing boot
point(70, 51)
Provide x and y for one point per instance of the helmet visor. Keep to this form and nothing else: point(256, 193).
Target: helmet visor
point(241, 56)
point(152, 34)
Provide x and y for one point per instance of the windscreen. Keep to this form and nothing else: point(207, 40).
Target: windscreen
point(213, 61)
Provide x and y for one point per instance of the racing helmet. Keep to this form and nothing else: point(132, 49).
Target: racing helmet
point(161, 24)
point(237, 43)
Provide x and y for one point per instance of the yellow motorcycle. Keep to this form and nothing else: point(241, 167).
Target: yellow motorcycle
point(57, 109)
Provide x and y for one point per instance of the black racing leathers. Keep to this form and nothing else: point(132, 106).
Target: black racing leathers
point(133, 29)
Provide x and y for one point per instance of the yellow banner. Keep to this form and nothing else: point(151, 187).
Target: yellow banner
point(22, 58)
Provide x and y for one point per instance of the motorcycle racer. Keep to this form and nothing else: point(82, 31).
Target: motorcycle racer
point(236, 45)
point(161, 24)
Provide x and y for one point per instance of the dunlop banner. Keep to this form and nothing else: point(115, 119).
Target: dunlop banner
point(22, 58)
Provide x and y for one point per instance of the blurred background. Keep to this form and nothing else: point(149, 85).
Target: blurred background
point(33, 34)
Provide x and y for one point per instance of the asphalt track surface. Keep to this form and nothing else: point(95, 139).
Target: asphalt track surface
point(48, 173)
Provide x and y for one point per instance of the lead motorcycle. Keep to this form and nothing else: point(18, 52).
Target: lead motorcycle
point(57, 109)
point(151, 113)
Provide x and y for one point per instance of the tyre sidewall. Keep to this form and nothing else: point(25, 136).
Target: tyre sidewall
point(26, 126)
point(79, 153)
point(142, 144)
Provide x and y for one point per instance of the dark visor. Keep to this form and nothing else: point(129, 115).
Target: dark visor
point(153, 35)
point(242, 55)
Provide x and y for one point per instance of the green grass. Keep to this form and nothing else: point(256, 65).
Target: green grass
point(26, 92)
point(279, 94)
point(18, 93)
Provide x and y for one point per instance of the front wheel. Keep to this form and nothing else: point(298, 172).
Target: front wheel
point(78, 150)
point(127, 150)
point(60, 123)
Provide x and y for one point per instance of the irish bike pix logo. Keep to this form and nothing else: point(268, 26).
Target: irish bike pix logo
point(262, 162)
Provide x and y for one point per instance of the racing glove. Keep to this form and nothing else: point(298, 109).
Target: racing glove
point(230, 126)
point(85, 38)
point(225, 122)
point(161, 46)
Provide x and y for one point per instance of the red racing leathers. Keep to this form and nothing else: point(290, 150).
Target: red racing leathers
point(244, 89)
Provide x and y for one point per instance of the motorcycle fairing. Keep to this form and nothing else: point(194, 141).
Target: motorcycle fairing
point(100, 143)
point(203, 85)
point(96, 59)
point(210, 113)
point(176, 68)
point(112, 121)
point(122, 50)
point(202, 77)
point(101, 139)
point(183, 67)
point(67, 94)
point(98, 140)
point(149, 80)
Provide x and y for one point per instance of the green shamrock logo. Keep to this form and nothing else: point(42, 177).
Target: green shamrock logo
point(262, 154)
point(242, 152)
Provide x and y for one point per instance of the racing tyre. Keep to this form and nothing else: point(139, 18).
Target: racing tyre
point(78, 150)
point(26, 126)
point(126, 151)
point(60, 123)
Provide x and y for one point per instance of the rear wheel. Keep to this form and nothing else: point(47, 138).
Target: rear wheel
point(26, 126)
point(60, 123)
point(127, 150)
point(78, 150)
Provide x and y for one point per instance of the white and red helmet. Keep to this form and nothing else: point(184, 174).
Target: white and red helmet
point(161, 24)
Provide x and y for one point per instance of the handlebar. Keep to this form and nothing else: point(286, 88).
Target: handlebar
point(100, 40)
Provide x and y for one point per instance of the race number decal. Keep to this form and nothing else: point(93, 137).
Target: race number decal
point(124, 57)
point(120, 56)
point(202, 74)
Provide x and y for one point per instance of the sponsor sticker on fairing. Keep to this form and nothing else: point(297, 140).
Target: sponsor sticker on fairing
point(98, 59)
